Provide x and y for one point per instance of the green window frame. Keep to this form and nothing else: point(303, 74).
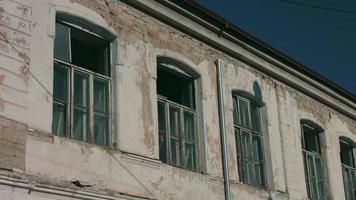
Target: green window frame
point(313, 163)
point(81, 86)
point(347, 155)
point(249, 141)
point(177, 117)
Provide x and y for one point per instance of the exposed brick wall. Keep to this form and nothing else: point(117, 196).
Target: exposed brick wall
point(12, 144)
point(15, 29)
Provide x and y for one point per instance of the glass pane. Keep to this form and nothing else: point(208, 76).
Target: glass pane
point(244, 115)
point(245, 144)
point(306, 173)
point(235, 111)
point(256, 148)
point(319, 178)
point(255, 117)
point(247, 171)
point(174, 117)
point(81, 87)
point(59, 119)
point(100, 95)
point(346, 154)
point(175, 152)
point(321, 190)
point(162, 132)
point(311, 177)
point(318, 169)
point(259, 174)
point(60, 83)
point(80, 123)
point(101, 129)
point(61, 42)
point(189, 158)
point(189, 126)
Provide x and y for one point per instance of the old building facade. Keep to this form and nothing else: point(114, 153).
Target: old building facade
point(119, 99)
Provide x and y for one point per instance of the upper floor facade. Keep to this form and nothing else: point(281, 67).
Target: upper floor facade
point(119, 100)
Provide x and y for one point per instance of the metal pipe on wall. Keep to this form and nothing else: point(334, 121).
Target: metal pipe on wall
point(225, 159)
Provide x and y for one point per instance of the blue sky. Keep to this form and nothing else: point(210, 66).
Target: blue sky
point(323, 40)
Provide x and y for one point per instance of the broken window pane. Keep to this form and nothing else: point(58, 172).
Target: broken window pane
point(62, 42)
point(162, 131)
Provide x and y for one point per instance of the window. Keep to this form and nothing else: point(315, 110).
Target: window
point(312, 161)
point(176, 116)
point(248, 134)
point(347, 154)
point(81, 87)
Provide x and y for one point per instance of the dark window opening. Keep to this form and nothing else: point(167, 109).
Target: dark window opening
point(82, 49)
point(175, 87)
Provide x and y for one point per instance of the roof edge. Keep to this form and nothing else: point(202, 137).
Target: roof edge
point(207, 15)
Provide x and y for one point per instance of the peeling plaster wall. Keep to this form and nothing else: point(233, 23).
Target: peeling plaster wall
point(29, 148)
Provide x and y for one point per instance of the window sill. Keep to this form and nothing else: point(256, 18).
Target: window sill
point(141, 160)
point(183, 170)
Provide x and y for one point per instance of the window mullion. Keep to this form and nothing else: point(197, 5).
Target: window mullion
point(168, 132)
point(316, 178)
point(91, 108)
point(182, 138)
point(71, 103)
point(110, 117)
point(252, 159)
point(70, 45)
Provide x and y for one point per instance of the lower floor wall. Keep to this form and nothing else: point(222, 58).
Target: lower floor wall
point(18, 188)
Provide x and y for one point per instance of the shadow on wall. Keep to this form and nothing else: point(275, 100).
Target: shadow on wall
point(257, 91)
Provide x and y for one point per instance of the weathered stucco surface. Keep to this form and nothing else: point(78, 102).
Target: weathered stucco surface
point(29, 148)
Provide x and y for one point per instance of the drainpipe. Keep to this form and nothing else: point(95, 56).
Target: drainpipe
point(225, 160)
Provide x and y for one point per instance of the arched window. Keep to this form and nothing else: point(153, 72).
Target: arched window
point(347, 155)
point(249, 139)
point(178, 143)
point(312, 160)
point(82, 83)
